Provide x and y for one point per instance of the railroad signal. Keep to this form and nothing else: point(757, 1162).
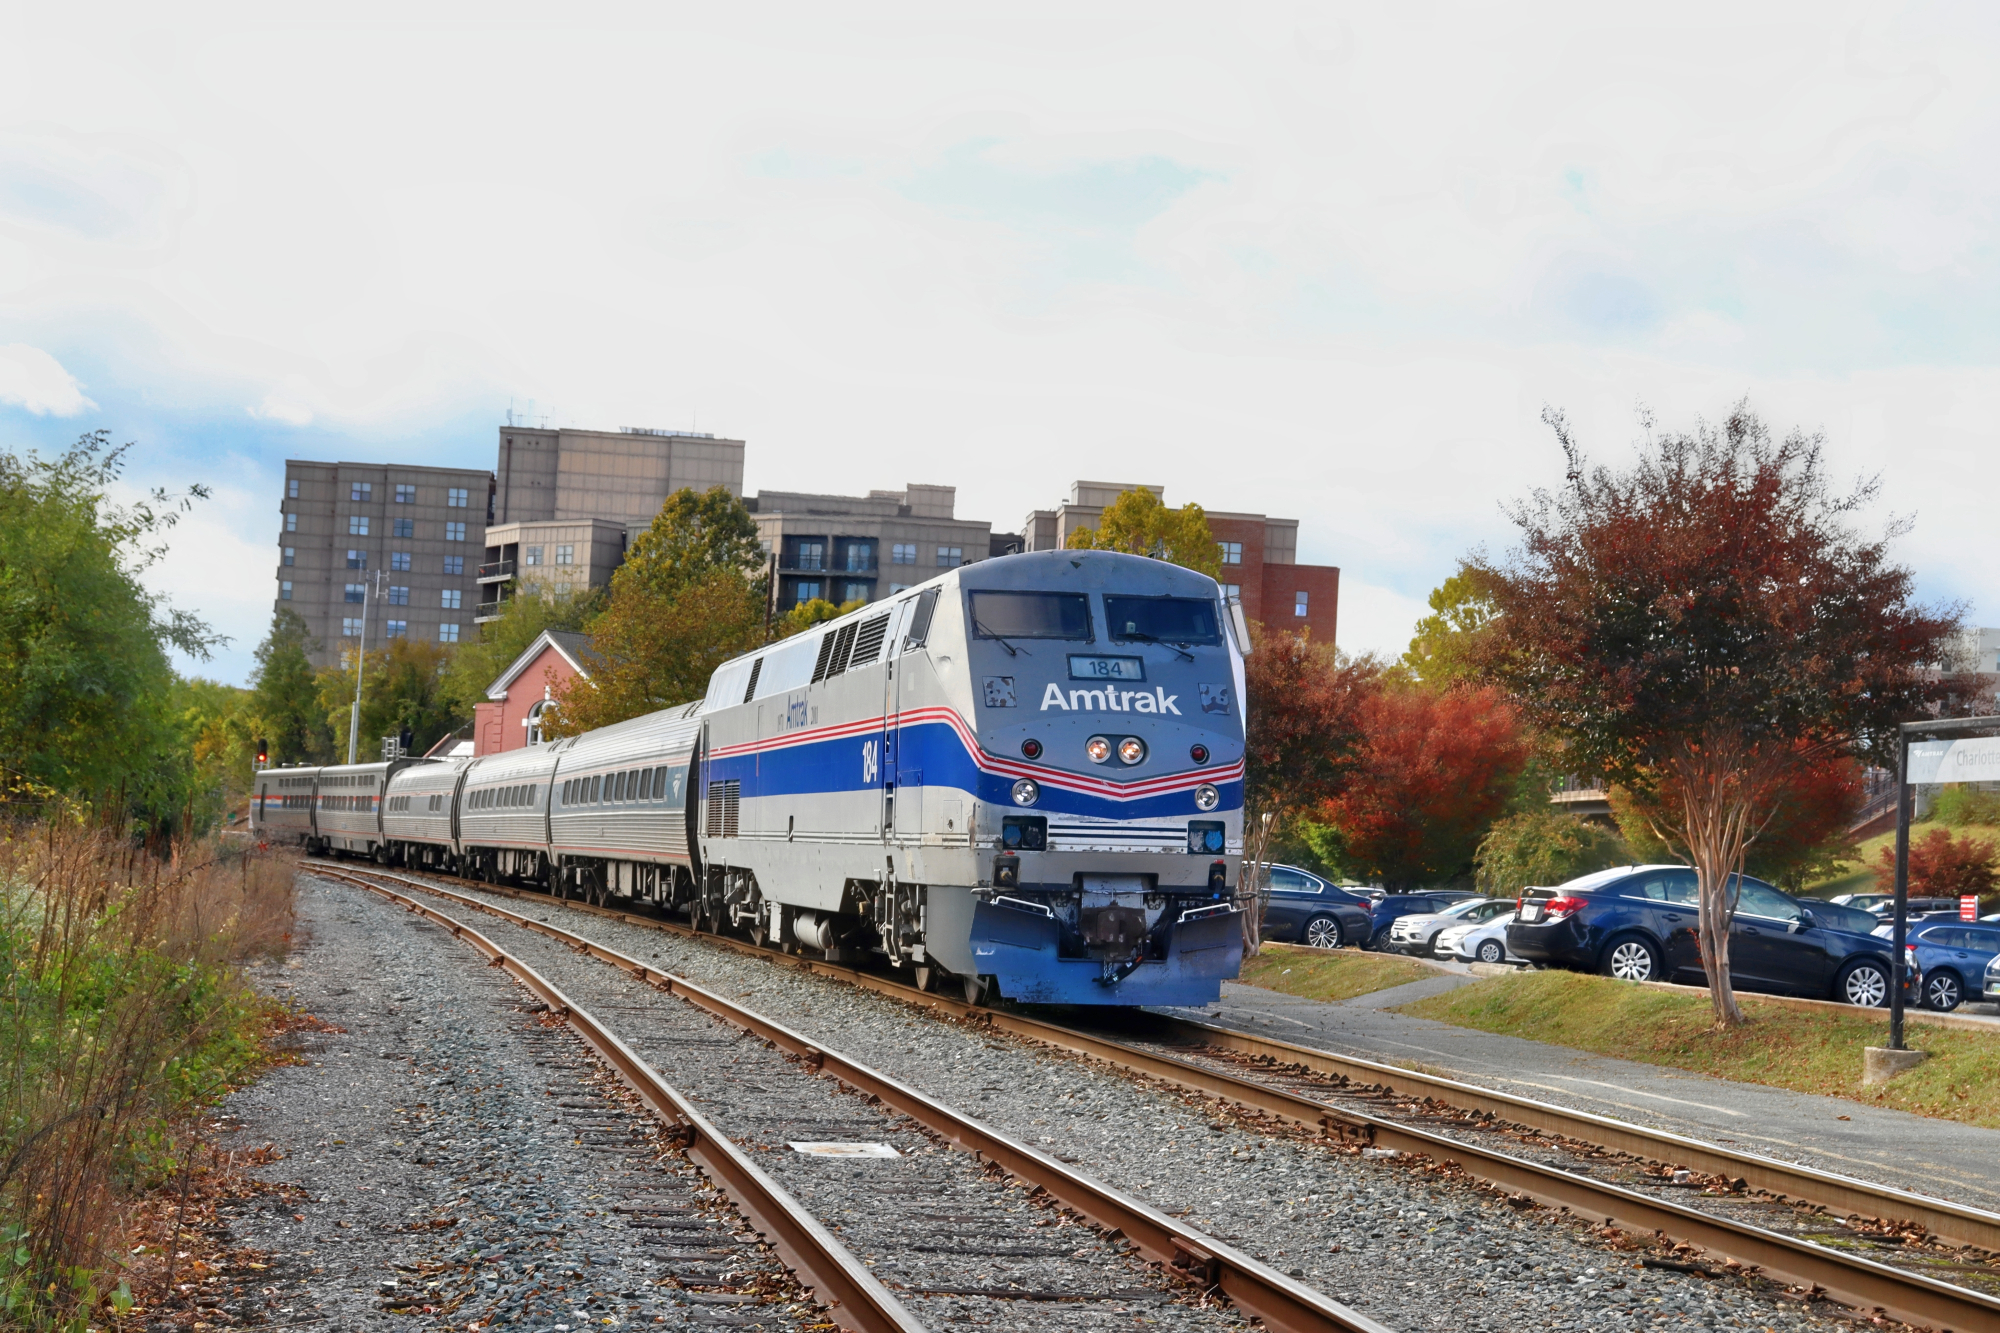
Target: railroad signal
point(263, 753)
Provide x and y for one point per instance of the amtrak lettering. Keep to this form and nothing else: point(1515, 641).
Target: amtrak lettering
point(1110, 701)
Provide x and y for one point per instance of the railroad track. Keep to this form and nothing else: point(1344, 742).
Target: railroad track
point(1852, 1279)
point(856, 1297)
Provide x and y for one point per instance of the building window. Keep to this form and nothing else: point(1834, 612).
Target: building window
point(1232, 591)
point(1299, 604)
point(454, 532)
point(292, 488)
point(284, 592)
point(405, 527)
point(565, 555)
point(450, 598)
point(903, 553)
point(396, 629)
point(448, 632)
point(1232, 552)
point(951, 556)
point(406, 495)
point(455, 497)
point(399, 596)
point(350, 628)
point(860, 556)
point(807, 590)
point(531, 555)
point(399, 560)
point(357, 525)
point(895, 588)
point(454, 564)
point(291, 556)
point(357, 592)
point(809, 555)
point(291, 523)
point(854, 592)
point(361, 491)
point(357, 559)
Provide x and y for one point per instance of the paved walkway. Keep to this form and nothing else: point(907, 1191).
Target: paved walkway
point(1937, 1157)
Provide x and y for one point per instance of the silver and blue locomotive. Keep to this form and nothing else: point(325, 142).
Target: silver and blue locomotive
point(1024, 777)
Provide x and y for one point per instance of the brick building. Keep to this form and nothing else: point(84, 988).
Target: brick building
point(1259, 557)
point(510, 717)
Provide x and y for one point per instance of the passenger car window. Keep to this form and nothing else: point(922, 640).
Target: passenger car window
point(1758, 900)
point(1292, 881)
point(1985, 940)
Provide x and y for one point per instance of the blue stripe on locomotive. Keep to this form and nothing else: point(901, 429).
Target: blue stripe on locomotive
point(934, 750)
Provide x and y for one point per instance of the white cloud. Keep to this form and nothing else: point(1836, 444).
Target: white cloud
point(216, 567)
point(35, 381)
point(292, 403)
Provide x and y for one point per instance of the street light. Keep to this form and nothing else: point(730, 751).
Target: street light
point(360, 665)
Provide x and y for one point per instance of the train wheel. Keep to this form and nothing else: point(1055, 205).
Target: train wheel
point(975, 989)
point(925, 975)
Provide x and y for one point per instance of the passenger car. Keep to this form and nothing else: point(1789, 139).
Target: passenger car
point(1306, 909)
point(1478, 942)
point(1638, 923)
point(1954, 956)
point(1418, 932)
point(1384, 911)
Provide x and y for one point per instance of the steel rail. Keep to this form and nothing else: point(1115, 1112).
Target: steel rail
point(1849, 1278)
point(855, 1298)
point(1282, 1304)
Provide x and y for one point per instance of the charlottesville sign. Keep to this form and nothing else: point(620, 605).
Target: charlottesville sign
point(1976, 760)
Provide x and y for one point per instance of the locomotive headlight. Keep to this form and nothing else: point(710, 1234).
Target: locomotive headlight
point(1205, 797)
point(1132, 750)
point(1098, 748)
point(1027, 792)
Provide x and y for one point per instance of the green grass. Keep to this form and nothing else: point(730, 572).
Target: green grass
point(1858, 876)
point(1329, 974)
point(1781, 1048)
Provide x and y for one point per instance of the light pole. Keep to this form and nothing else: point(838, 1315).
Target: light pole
point(360, 665)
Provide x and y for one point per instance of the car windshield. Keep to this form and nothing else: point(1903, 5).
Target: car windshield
point(1178, 620)
point(1030, 615)
point(1463, 906)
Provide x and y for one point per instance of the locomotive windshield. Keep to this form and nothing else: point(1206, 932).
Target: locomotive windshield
point(1181, 620)
point(1031, 615)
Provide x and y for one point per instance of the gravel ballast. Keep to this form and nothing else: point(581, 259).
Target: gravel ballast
point(1413, 1249)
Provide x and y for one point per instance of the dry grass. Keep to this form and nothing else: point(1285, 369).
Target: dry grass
point(1330, 974)
point(121, 1012)
point(1783, 1048)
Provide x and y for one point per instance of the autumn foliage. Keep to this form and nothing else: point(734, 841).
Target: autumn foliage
point(1811, 808)
point(1943, 866)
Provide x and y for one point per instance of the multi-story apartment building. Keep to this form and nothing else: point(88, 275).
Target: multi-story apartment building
point(400, 543)
point(568, 502)
point(848, 548)
point(1259, 557)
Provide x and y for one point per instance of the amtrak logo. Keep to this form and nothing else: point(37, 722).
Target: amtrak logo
point(868, 764)
point(1110, 701)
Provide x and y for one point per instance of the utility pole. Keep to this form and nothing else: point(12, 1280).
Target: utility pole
point(360, 665)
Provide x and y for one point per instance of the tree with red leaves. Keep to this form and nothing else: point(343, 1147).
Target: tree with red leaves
point(1301, 737)
point(1942, 866)
point(1435, 768)
point(1699, 626)
point(1813, 807)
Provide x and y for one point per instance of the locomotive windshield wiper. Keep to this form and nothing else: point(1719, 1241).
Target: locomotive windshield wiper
point(1012, 651)
point(1140, 636)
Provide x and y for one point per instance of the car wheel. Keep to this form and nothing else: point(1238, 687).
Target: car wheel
point(1630, 958)
point(1865, 983)
point(1943, 992)
point(1322, 932)
point(1492, 951)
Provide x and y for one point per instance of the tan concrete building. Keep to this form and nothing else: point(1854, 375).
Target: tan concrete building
point(400, 545)
point(622, 475)
point(1259, 557)
point(563, 555)
point(845, 548)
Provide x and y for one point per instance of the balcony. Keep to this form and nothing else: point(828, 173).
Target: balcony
point(495, 571)
point(486, 611)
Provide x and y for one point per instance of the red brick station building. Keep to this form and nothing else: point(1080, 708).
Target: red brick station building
point(512, 714)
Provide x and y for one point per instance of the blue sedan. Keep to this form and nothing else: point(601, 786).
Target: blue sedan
point(1952, 956)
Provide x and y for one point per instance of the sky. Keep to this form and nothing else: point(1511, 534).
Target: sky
point(1328, 262)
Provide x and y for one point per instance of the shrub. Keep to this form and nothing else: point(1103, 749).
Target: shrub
point(1543, 847)
point(1942, 865)
point(1958, 806)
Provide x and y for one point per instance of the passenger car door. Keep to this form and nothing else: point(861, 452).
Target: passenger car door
point(1293, 894)
point(1670, 910)
point(1769, 946)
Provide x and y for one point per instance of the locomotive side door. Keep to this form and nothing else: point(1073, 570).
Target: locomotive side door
point(903, 811)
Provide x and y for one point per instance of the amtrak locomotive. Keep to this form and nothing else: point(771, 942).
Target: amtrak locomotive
point(1024, 777)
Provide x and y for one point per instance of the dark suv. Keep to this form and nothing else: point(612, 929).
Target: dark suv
point(1384, 910)
point(1638, 923)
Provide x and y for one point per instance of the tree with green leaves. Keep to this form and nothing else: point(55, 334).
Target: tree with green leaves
point(1447, 645)
point(402, 689)
point(816, 611)
point(1543, 847)
point(285, 694)
point(85, 678)
point(1139, 523)
point(534, 607)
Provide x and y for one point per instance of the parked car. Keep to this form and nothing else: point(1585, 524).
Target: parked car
point(1916, 907)
point(1864, 901)
point(1479, 941)
point(1390, 906)
point(1306, 909)
point(1953, 956)
point(1418, 932)
point(1638, 923)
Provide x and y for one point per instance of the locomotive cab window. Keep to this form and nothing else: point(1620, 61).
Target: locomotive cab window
point(1030, 615)
point(1177, 620)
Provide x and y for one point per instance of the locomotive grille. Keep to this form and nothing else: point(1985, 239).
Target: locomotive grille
point(756, 670)
point(869, 641)
point(722, 808)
